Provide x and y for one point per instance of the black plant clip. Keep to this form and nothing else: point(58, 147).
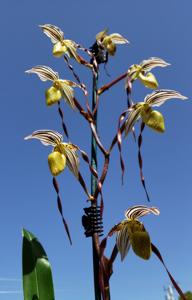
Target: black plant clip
point(92, 221)
point(100, 53)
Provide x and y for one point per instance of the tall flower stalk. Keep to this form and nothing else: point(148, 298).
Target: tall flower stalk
point(130, 232)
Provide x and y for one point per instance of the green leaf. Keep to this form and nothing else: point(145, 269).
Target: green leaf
point(37, 276)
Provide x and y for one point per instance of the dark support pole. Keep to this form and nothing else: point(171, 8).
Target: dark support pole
point(93, 188)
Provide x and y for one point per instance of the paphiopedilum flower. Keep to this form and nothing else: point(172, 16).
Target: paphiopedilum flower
point(131, 232)
point(62, 46)
point(60, 88)
point(109, 42)
point(63, 154)
point(141, 71)
point(152, 118)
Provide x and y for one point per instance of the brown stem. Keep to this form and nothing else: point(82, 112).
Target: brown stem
point(110, 84)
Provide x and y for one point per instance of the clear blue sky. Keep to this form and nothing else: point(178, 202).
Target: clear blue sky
point(154, 28)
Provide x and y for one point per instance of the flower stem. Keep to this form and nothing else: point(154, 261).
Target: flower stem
point(110, 84)
point(95, 238)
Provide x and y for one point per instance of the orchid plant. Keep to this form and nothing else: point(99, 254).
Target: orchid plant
point(130, 232)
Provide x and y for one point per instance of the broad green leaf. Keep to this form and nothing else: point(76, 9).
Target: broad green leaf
point(37, 276)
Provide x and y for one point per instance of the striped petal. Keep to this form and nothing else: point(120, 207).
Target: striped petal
point(46, 137)
point(138, 211)
point(53, 32)
point(117, 38)
point(71, 49)
point(123, 241)
point(72, 159)
point(132, 118)
point(44, 73)
point(159, 97)
point(68, 92)
point(153, 62)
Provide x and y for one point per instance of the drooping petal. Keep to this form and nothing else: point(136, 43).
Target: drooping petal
point(68, 92)
point(123, 241)
point(46, 137)
point(159, 97)
point(72, 49)
point(44, 73)
point(132, 118)
point(72, 159)
point(57, 162)
point(152, 62)
point(53, 32)
point(138, 211)
point(118, 38)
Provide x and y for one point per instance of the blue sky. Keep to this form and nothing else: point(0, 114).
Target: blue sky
point(154, 28)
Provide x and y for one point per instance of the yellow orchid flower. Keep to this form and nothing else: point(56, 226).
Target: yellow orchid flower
point(152, 118)
point(131, 232)
point(64, 154)
point(109, 42)
point(62, 46)
point(60, 88)
point(141, 71)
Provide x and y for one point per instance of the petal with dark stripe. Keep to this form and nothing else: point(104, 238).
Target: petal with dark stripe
point(46, 137)
point(72, 159)
point(53, 32)
point(138, 211)
point(123, 241)
point(159, 97)
point(44, 73)
point(134, 115)
point(152, 62)
point(68, 92)
point(117, 38)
